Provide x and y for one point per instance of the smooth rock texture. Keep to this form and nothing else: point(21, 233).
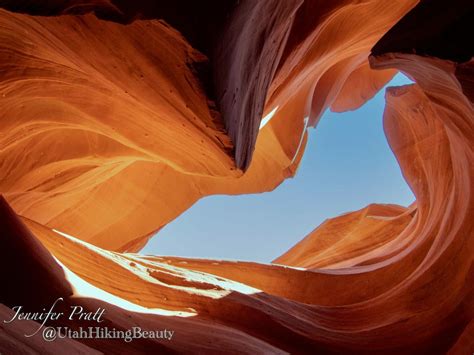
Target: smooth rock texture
point(109, 130)
point(124, 136)
point(347, 240)
point(248, 55)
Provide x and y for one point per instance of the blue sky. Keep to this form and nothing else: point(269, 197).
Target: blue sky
point(347, 165)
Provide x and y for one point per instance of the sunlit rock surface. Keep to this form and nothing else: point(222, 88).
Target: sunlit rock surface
point(124, 136)
point(114, 119)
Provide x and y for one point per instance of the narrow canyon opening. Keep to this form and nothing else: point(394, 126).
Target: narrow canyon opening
point(346, 166)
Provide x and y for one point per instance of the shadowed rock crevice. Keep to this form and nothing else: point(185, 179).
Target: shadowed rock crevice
point(106, 135)
point(434, 28)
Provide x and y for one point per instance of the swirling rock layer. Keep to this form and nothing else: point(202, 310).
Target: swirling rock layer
point(118, 110)
point(108, 131)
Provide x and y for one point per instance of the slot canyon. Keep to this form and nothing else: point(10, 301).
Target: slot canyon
point(116, 116)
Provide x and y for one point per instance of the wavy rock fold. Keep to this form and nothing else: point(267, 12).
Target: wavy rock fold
point(115, 118)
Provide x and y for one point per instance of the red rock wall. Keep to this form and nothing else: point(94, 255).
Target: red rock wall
point(108, 139)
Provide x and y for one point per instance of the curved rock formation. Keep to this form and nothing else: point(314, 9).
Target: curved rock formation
point(112, 112)
point(346, 241)
point(108, 131)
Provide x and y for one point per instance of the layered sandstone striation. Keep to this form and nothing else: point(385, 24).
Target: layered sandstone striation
point(117, 110)
point(114, 120)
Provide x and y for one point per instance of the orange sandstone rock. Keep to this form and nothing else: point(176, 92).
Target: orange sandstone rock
point(94, 116)
point(95, 158)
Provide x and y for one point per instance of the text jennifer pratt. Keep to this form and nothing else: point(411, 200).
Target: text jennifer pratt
point(77, 313)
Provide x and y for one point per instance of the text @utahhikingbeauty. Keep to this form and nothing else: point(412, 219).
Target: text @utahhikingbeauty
point(77, 313)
